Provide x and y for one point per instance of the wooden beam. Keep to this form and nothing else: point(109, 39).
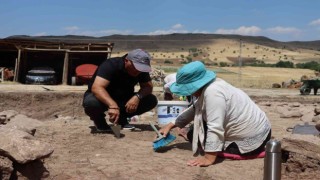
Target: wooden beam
point(89, 51)
point(17, 67)
point(38, 49)
point(65, 69)
point(67, 50)
point(2, 74)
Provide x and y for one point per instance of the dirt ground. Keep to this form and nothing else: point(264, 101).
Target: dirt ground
point(81, 154)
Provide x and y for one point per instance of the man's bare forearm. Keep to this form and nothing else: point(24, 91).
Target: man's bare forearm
point(145, 89)
point(102, 95)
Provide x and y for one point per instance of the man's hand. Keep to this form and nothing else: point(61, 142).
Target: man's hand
point(132, 104)
point(208, 159)
point(114, 114)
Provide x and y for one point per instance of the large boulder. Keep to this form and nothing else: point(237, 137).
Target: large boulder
point(24, 123)
point(22, 147)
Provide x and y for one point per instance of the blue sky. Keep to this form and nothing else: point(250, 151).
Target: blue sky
point(282, 20)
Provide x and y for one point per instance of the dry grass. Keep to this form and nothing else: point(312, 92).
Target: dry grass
point(218, 50)
point(262, 77)
point(251, 77)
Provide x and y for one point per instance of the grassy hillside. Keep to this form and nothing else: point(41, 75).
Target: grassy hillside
point(210, 48)
point(172, 51)
point(212, 52)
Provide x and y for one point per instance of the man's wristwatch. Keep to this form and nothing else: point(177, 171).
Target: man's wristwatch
point(138, 95)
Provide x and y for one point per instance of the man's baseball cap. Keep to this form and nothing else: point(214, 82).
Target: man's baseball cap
point(141, 60)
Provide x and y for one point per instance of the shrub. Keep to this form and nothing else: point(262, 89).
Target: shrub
point(223, 64)
point(284, 64)
point(168, 62)
point(313, 65)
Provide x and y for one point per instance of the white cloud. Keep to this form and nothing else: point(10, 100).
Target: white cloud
point(71, 29)
point(177, 26)
point(170, 31)
point(243, 30)
point(200, 32)
point(40, 34)
point(75, 30)
point(315, 22)
point(283, 30)
point(114, 31)
point(103, 32)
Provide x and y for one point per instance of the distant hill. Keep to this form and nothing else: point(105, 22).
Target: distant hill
point(211, 48)
point(123, 41)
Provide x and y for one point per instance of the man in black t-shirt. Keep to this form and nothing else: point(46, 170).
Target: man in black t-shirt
point(111, 89)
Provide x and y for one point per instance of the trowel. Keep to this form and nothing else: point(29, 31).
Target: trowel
point(304, 129)
point(116, 130)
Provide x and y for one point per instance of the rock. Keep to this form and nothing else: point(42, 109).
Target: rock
point(307, 145)
point(298, 164)
point(9, 114)
point(287, 83)
point(276, 85)
point(304, 77)
point(317, 111)
point(307, 117)
point(289, 114)
point(281, 109)
point(296, 104)
point(21, 146)
point(6, 168)
point(3, 119)
point(316, 119)
point(317, 127)
point(23, 123)
point(265, 103)
point(282, 104)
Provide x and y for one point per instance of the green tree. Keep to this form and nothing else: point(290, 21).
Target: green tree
point(284, 64)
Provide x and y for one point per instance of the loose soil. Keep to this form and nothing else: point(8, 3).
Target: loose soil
point(81, 154)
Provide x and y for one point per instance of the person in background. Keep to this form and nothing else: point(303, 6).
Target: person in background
point(225, 118)
point(111, 89)
point(168, 95)
point(168, 80)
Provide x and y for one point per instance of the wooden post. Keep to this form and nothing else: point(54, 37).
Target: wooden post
point(17, 67)
point(2, 74)
point(65, 68)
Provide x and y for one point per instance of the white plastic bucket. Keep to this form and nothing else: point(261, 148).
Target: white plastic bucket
point(169, 110)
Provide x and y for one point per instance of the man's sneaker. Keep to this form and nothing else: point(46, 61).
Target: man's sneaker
point(128, 127)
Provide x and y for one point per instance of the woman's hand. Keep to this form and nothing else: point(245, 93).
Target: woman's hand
point(166, 129)
point(208, 159)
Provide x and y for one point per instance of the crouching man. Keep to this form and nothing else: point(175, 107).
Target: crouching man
point(111, 89)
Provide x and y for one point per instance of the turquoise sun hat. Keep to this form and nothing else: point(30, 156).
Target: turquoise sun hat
point(190, 78)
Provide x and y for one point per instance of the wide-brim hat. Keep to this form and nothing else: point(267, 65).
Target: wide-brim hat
point(190, 78)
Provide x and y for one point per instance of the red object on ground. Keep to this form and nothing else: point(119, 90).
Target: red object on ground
point(239, 157)
point(84, 72)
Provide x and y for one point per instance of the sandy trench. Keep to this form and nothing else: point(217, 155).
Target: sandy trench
point(79, 154)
